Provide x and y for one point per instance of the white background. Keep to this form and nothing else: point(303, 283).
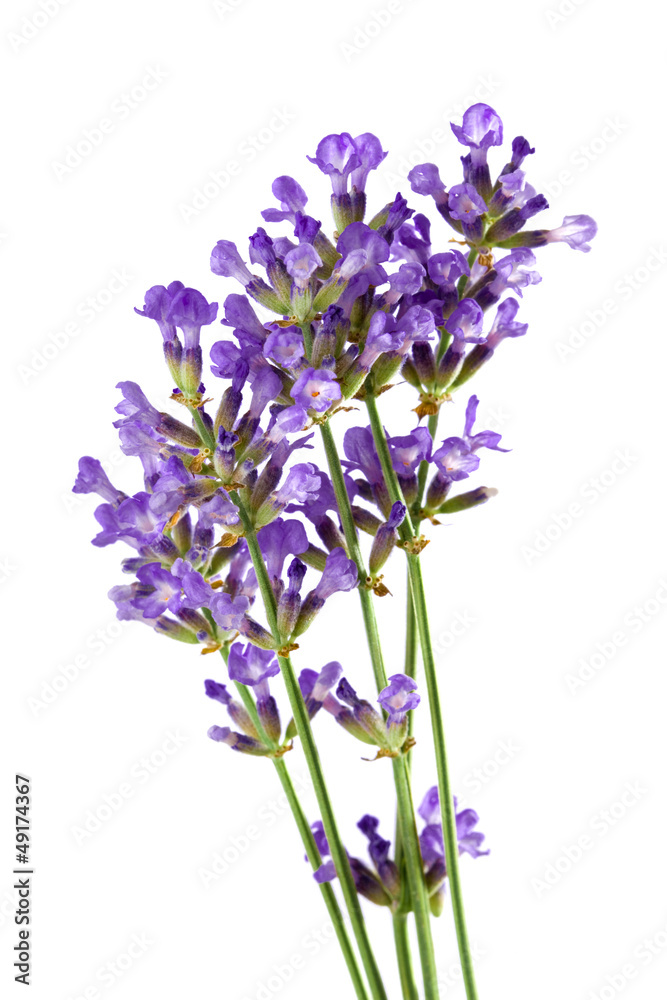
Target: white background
point(584, 86)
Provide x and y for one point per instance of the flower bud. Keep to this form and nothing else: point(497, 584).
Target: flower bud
point(267, 709)
point(409, 373)
point(178, 432)
point(466, 500)
point(424, 363)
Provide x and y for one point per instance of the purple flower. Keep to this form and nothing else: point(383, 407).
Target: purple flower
point(189, 311)
point(465, 323)
point(302, 483)
point(238, 741)
point(360, 237)
point(327, 870)
point(576, 231)
point(406, 281)
point(369, 150)
point(484, 439)
point(382, 337)
point(340, 574)
point(292, 199)
point(93, 479)
point(465, 204)
point(431, 838)
point(337, 156)
point(398, 698)
point(226, 261)
point(316, 687)
point(393, 216)
point(240, 315)
point(504, 324)
point(455, 460)
point(408, 451)
point(386, 334)
point(316, 389)
point(228, 612)
point(378, 849)
point(301, 263)
point(512, 272)
point(481, 128)
point(360, 450)
point(447, 268)
point(385, 538)
point(135, 406)
point(521, 148)
point(306, 228)
point(285, 346)
point(252, 666)
point(158, 592)
point(425, 179)
point(237, 712)
point(157, 303)
point(278, 540)
point(261, 249)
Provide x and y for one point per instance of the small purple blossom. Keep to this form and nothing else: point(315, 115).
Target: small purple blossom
point(316, 389)
point(480, 129)
point(93, 479)
point(301, 263)
point(465, 323)
point(398, 698)
point(455, 460)
point(576, 231)
point(425, 179)
point(292, 199)
point(253, 667)
point(465, 204)
point(504, 324)
point(226, 261)
point(408, 451)
point(285, 346)
point(337, 156)
point(159, 591)
point(340, 575)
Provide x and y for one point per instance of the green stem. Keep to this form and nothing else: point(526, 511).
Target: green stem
point(423, 472)
point(402, 942)
point(302, 722)
point(444, 786)
point(308, 841)
point(204, 433)
point(328, 894)
point(411, 643)
point(408, 854)
point(415, 871)
point(354, 552)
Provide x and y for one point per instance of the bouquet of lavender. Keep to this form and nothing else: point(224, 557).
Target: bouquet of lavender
point(228, 502)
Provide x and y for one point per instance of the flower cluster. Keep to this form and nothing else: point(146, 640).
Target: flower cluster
point(335, 336)
point(381, 884)
point(229, 509)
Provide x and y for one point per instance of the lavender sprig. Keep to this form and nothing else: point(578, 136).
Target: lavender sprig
point(213, 526)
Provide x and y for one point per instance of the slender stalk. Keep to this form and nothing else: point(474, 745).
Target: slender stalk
point(204, 433)
point(444, 785)
point(402, 942)
point(354, 552)
point(408, 854)
point(308, 841)
point(328, 894)
point(423, 472)
point(304, 730)
point(415, 872)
